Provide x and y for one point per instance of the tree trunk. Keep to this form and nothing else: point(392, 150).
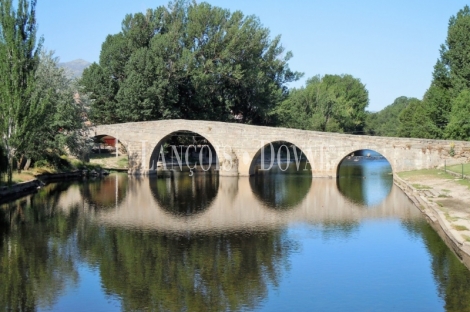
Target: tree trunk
point(28, 164)
point(19, 162)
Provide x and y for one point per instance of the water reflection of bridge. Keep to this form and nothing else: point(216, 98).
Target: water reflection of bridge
point(237, 206)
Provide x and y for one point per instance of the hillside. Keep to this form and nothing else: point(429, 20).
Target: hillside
point(76, 67)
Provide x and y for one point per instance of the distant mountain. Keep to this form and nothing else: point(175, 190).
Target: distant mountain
point(76, 67)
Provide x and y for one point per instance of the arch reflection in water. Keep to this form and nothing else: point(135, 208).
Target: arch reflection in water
point(280, 190)
point(365, 177)
point(281, 176)
point(183, 195)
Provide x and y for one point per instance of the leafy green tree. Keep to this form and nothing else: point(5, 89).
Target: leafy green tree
point(191, 61)
point(415, 122)
point(62, 127)
point(386, 121)
point(334, 103)
point(459, 122)
point(20, 111)
point(451, 73)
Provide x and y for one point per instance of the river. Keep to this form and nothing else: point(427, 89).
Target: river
point(272, 242)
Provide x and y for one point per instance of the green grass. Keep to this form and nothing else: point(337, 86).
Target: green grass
point(466, 237)
point(449, 218)
point(433, 173)
point(460, 227)
point(123, 162)
point(424, 172)
point(110, 161)
point(458, 169)
point(443, 196)
point(421, 187)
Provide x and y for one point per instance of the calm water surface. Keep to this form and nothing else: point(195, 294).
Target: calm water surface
point(272, 242)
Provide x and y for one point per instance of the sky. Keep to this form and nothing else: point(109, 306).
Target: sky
point(391, 46)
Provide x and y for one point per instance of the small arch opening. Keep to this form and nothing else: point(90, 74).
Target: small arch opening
point(280, 175)
point(184, 151)
point(109, 152)
point(365, 177)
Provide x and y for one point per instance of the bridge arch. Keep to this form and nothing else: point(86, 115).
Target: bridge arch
point(358, 153)
point(280, 153)
point(110, 140)
point(183, 143)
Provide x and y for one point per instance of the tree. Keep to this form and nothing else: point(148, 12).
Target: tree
point(334, 103)
point(415, 122)
point(451, 73)
point(386, 122)
point(20, 112)
point(62, 127)
point(459, 121)
point(191, 61)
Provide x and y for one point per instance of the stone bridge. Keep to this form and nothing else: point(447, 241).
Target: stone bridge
point(238, 146)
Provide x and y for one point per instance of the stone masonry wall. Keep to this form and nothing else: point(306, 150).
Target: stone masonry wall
point(237, 145)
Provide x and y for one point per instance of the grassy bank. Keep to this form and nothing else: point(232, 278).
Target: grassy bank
point(458, 169)
point(109, 161)
point(447, 195)
point(430, 174)
point(68, 165)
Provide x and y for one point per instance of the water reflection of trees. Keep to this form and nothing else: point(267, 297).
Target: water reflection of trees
point(156, 272)
point(36, 257)
point(184, 195)
point(105, 192)
point(280, 191)
point(339, 229)
point(451, 276)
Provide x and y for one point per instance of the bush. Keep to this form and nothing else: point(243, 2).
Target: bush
point(42, 163)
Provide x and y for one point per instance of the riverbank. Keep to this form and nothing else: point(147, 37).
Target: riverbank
point(37, 180)
point(445, 201)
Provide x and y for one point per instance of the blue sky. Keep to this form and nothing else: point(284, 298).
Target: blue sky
point(391, 46)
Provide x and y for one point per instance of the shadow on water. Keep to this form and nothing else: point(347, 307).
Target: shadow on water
point(365, 180)
point(183, 195)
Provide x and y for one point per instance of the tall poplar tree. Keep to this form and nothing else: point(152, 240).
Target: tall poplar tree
point(20, 112)
point(451, 75)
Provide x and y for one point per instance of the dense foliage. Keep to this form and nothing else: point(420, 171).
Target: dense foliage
point(62, 127)
point(386, 122)
point(39, 115)
point(191, 61)
point(20, 111)
point(442, 110)
point(334, 103)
